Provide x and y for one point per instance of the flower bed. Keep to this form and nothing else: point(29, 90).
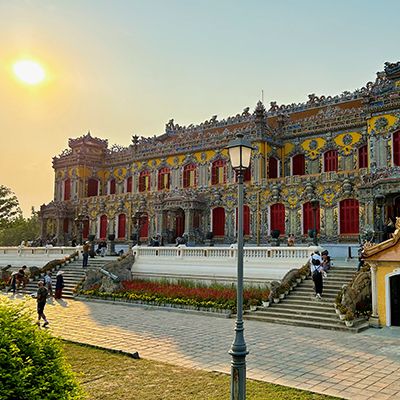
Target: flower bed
point(182, 294)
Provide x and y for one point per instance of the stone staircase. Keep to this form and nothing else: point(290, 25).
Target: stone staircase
point(73, 275)
point(300, 307)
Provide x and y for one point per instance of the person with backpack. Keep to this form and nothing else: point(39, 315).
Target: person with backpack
point(316, 273)
point(41, 298)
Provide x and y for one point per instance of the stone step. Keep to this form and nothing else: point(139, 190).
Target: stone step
point(310, 289)
point(310, 295)
point(337, 326)
point(312, 302)
point(298, 313)
point(316, 306)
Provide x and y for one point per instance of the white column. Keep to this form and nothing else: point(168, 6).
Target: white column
point(374, 292)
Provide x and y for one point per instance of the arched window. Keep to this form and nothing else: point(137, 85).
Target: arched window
point(103, 227)
point(121, 226)
point(129, 185)
point(218, 172)
point(67, 189)
point(298, 164)
point(189, 176)
point(112, 187)
point(272, 168)
point(363, 157)
point(349, 216)
point(144, 226)
point(144, 181)
point(218, 221)
point(278, 218)
point(308, 217)
point(93, 187)
point(164, 178)
point(246, 220)
point(330, 161)
point(396, 148)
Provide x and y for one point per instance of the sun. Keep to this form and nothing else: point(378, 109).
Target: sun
point(29, 72)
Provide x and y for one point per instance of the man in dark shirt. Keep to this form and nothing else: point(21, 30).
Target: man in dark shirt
point(41, 302)
point(85, 250)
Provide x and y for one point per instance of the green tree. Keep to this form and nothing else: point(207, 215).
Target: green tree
point(32, 365)
point(9, 206)
point(20, 229)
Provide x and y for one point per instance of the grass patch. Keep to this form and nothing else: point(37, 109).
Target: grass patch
point(106, 375)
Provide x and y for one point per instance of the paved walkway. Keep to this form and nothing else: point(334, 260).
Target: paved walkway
point(361, 366)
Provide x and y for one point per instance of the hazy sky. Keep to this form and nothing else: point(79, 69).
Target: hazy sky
point(122, 67)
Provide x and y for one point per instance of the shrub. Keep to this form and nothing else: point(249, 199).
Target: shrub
point(31, 362)
point(349, 316)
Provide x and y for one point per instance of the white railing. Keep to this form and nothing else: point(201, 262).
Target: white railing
point(260, 263)
point(251, 253)
point(22, 251)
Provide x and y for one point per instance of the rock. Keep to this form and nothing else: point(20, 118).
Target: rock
point(109, 286)
point(121, 268)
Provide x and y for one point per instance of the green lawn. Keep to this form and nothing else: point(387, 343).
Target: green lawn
point(106, 375)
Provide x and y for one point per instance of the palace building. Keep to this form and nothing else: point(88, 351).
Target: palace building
point(333, 162)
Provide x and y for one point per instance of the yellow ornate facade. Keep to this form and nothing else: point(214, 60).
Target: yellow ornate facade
point(340, 153)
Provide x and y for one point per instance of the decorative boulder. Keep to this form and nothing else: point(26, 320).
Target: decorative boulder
point(120, 268)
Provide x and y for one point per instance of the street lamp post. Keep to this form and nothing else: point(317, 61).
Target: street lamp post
point(239, 153)
point(314, 205)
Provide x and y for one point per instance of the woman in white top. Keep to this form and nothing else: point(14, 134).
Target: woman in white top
point(316, 273)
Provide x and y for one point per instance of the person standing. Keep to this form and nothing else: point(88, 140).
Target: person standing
point(49, 283)
point(316, 274)
point(59, 284)
point(103, 248)
point(41, 297)
point(85, 250)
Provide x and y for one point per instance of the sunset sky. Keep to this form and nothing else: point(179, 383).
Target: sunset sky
point(119, 68)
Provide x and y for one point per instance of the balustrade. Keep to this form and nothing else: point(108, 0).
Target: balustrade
point(251, 253)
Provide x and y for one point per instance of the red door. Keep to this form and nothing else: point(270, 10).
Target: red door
point(349, 216)
point(278, 218)
point(308, 218)
point(218, 221)
point(180, 224)
point(67, 189)
point(144, 226)
point(246, 220)
point(121, 226)
point(93, 187)
point(85, 230)
point(103, 227)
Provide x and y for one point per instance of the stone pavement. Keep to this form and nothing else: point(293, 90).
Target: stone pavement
point(351, 366)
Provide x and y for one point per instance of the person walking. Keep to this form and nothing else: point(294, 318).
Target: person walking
point(41, 297)
point(48, 282)
point(316, 274)
point(59, 284)
point(85, 251)
point(13, 282)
